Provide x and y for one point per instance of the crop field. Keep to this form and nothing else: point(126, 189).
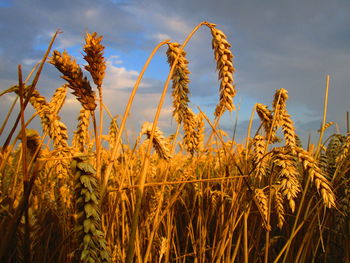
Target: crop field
point(196, 195)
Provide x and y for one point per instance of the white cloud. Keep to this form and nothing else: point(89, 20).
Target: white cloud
point(114, 60)
point(176, 24)
point(161, 37)
point(119, 77)
point(90, 13)
point(67, 40)
point(29, 61)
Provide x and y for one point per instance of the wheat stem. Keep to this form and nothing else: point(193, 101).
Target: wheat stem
point(125, 116)
point(324, 117)
point(135, 218)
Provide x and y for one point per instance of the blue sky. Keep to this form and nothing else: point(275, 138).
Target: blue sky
point(276, 43)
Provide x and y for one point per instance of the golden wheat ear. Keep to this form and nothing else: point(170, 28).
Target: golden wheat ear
point(278, 204)
point(180, 79)
point(73, 74)
point(279, 105)
point(160, 143)
point(317, 176)
point(81, 135)
point(259, 158)
point(94, 56)
point(224, 65)
point(289, 182)
point(58, 98)
point(265, 116)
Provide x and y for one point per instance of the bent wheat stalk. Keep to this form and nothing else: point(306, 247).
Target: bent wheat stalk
point(116, 145)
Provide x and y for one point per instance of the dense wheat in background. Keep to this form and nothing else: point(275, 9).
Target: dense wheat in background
point(193, 196)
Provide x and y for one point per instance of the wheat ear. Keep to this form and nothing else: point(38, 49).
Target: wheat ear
point(180, 80)
point(224, 65)
point(94, 56)
point(92, 243)
point(259, 143)
point(73, 74)
point(191, 137)
point(160, 144)
point(81, 135)
point(278, 202)
point(279, 105)
point(288, 129)
point(58, 98)
point(287, 174)
point(316, 175)
point(262, 204)
point(345, 151)
point(265, 116)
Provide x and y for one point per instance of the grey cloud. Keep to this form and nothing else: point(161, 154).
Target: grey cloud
point(277, 44)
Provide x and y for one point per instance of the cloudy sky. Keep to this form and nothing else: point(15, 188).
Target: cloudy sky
point(276, 43)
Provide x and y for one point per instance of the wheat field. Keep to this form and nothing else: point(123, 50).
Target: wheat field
point(193, 196)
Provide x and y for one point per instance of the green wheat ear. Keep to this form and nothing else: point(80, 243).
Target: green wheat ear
point(93, 246)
